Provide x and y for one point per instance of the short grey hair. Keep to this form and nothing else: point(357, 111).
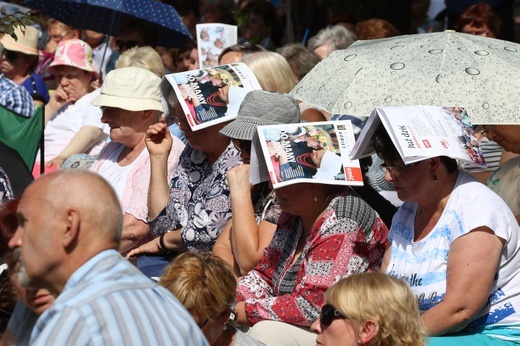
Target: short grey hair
point(335, 37)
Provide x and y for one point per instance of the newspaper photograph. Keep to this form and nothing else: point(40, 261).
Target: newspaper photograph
point(212, 38)
point(212, 95)
point(309, 152)
point(421, 132)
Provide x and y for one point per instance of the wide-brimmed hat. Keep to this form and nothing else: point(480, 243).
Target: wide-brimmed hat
point(262, 108)
point(26, 42)
point(75, 53)
point(130, 88)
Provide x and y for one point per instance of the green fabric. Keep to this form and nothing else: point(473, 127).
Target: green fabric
point(22, 134)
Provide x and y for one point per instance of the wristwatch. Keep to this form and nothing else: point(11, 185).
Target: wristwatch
point(233, 316)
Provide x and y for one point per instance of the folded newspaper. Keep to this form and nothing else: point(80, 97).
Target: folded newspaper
point(211, 95)
point(305, 152)
point(212, 39)
point(421, 132)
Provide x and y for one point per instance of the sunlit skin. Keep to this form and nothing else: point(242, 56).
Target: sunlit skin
point(72, 82)
point(231, 57)
point(122, 125)
point(341, 332)
point(507, 136)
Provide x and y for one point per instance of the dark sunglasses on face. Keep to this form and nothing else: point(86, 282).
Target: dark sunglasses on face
point(10, 55)
point(242, 145)
point(329, 314)
point(122, 44)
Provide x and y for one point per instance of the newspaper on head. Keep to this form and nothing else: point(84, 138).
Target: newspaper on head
point(305, 152)
point(421, 132)
point(212, 38)
point(209, 96)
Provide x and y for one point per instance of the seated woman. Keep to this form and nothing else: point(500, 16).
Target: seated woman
point(20, 60)
point(188, 212)
point(241, 243)
point(324, 233)
point(205, 285)
point(370, 309)
point(456, 243)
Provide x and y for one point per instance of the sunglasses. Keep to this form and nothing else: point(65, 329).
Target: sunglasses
point(122, 44)
point(329, 314)
point(241, 145)
point(10, 55)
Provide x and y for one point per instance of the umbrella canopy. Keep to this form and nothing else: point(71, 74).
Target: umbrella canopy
point(439, 69)
point(107, 16)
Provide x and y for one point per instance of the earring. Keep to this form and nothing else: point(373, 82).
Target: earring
point(315, 197)
point(225, 327)
point(435, 179)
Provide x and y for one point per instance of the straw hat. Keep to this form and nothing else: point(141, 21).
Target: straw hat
point(26, 43)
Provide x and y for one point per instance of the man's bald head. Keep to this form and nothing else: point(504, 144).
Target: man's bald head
point(87, 192)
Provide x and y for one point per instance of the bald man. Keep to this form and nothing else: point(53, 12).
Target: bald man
point(70, 226)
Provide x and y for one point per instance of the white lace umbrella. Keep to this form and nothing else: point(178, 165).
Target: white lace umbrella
point(443, 69)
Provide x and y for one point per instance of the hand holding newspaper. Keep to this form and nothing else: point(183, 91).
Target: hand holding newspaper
point(421, 132)
point(305, 152)
point(211, 95)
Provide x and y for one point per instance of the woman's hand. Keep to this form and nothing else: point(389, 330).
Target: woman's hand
point(150, 248)
point(57, 161)
point(158, 140)
point(238, 180)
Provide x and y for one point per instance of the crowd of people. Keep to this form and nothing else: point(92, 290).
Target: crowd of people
point(139, 229)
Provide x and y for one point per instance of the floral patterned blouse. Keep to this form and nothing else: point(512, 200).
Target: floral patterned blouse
point(349, 238)
point(199, 199)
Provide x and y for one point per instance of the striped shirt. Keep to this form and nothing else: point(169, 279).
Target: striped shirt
point(15, 98)
point(108, 301)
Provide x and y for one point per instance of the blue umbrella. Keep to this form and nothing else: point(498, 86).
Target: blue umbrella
point(107, 16)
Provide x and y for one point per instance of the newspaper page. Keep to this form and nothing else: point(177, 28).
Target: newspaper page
point(308, 152)
point(211, 95)
point(421, 132)
point(212, 38)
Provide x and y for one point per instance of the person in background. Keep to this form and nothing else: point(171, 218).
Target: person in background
point(101, 50)
point(330, 39)
point(189, 12)
point(375, 28)
point(480, 19)
point(14, 97)
point(235, 53)
point(219, 11)
point(131, 103)
point(20, 58)
point(188, 57)
point(371, 309)
point(205, 285)
point(299, 58)
point(69, 114)
point(69, 246)
point(260, 24)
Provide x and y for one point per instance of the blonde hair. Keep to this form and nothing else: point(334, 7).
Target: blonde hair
point(384, 299)
point(145, 57)
point(272, 71)
point(203, 283)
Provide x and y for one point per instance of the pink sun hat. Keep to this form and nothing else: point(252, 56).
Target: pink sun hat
point(75, 53)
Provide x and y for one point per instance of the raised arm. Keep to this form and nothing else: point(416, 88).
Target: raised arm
point(158, 142)
point(472, 264)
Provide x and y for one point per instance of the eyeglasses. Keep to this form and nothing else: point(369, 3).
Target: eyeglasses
point(242, 145)
point(10, 55)
point(122, 44)
point(487, 131)
point(203, 323)
point(328, 314)
point(394, 171)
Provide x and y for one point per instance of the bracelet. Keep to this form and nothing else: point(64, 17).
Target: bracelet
point(162, 247)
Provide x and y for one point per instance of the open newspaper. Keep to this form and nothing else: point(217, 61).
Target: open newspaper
point(421, 132)
point(211, 95)
point(305, 152)
point(212, 38)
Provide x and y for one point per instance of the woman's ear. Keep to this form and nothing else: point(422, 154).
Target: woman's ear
point(367, 331)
